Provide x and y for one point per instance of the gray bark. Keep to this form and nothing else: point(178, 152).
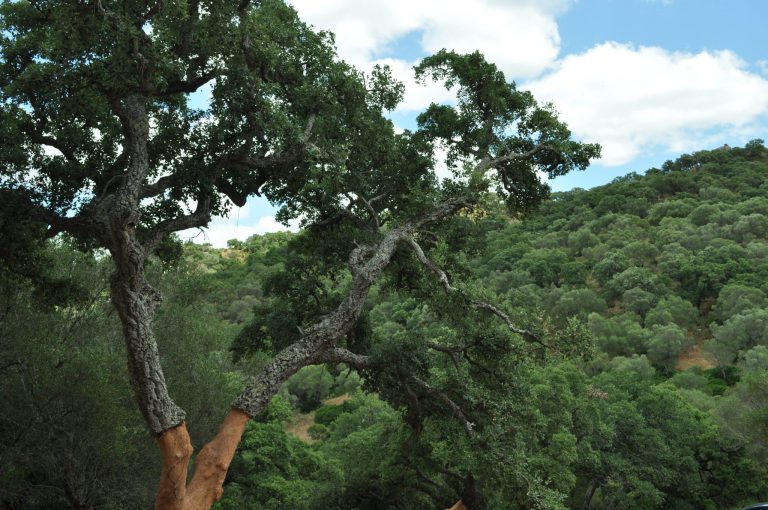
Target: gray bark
point(134, 299)
point(366, 264)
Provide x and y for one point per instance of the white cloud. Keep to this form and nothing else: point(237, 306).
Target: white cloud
point(361, 28)
point(222, 230)
point(417, 95)
point(520, 36)
point(631, 99)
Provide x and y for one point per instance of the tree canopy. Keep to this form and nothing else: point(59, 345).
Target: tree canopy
point(100, 144)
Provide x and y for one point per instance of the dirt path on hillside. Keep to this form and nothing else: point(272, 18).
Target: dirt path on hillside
point(299, 425)
point(695, 357)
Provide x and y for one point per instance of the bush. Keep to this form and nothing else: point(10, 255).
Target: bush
point(326, 415)
point(318, 432)
point(310, 386)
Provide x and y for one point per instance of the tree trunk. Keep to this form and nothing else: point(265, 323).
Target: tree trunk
point(116, 216)
point(136, 301)
point(593, 485)
point(211, 465)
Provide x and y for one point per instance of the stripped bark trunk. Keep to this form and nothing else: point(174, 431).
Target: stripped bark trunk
point(211, 465)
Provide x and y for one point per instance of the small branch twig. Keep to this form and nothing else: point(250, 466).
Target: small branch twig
point(527, 335)
point(452, 406)
point(199, 218)
point(480, 305)
point(441, 276)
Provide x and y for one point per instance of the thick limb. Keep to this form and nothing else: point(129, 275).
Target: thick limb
point(211, 465)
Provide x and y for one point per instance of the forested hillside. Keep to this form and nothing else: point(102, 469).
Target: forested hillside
point(637, 377)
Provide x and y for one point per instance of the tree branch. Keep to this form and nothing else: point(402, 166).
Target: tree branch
point(186, 86)
point(489, 162)
point(240, 195)
point(369, 207)
point(243, 6)
point(341, 355)
point(441, 276)
point(480, 305)
point(527, 335)
point(341, 215)
point(199, 218)
point(367, 263)
point(37, 137)
point(452, 406)
point(155, 9)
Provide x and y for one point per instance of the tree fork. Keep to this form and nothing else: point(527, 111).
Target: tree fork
point(211, 465)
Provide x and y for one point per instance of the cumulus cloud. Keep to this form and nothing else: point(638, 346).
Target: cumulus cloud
point(417, 95)
point(520, 36)
point(633, 98)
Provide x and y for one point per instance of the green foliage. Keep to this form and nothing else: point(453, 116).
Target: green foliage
point(67, 444)
point(273, 470)
point(618, 336)
point(309, 386)
point(739, 333)
point(327, 414)
point(665, 343)
point(735, 299)
point(579, 302)
point(624, 430)
point(637, 300)
point(485, 94)
point(464, 405)
point(672, 309)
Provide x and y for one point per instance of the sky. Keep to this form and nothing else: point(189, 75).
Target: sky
point(647, 79)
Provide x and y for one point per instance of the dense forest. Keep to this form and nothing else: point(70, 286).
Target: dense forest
point(637, 377)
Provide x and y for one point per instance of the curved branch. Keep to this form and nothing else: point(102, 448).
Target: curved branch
point(489, 162)
point(529, 336)
point(186, 86)
point(441, 276)
point(41, 139)
point(200, 218)
point(367, 263)
point(480, 305)
point(445, 399)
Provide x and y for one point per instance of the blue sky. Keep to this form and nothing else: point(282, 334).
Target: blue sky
point(648, 79)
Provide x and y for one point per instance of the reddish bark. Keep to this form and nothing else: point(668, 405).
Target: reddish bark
point(458, 506)
point(211, 465)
